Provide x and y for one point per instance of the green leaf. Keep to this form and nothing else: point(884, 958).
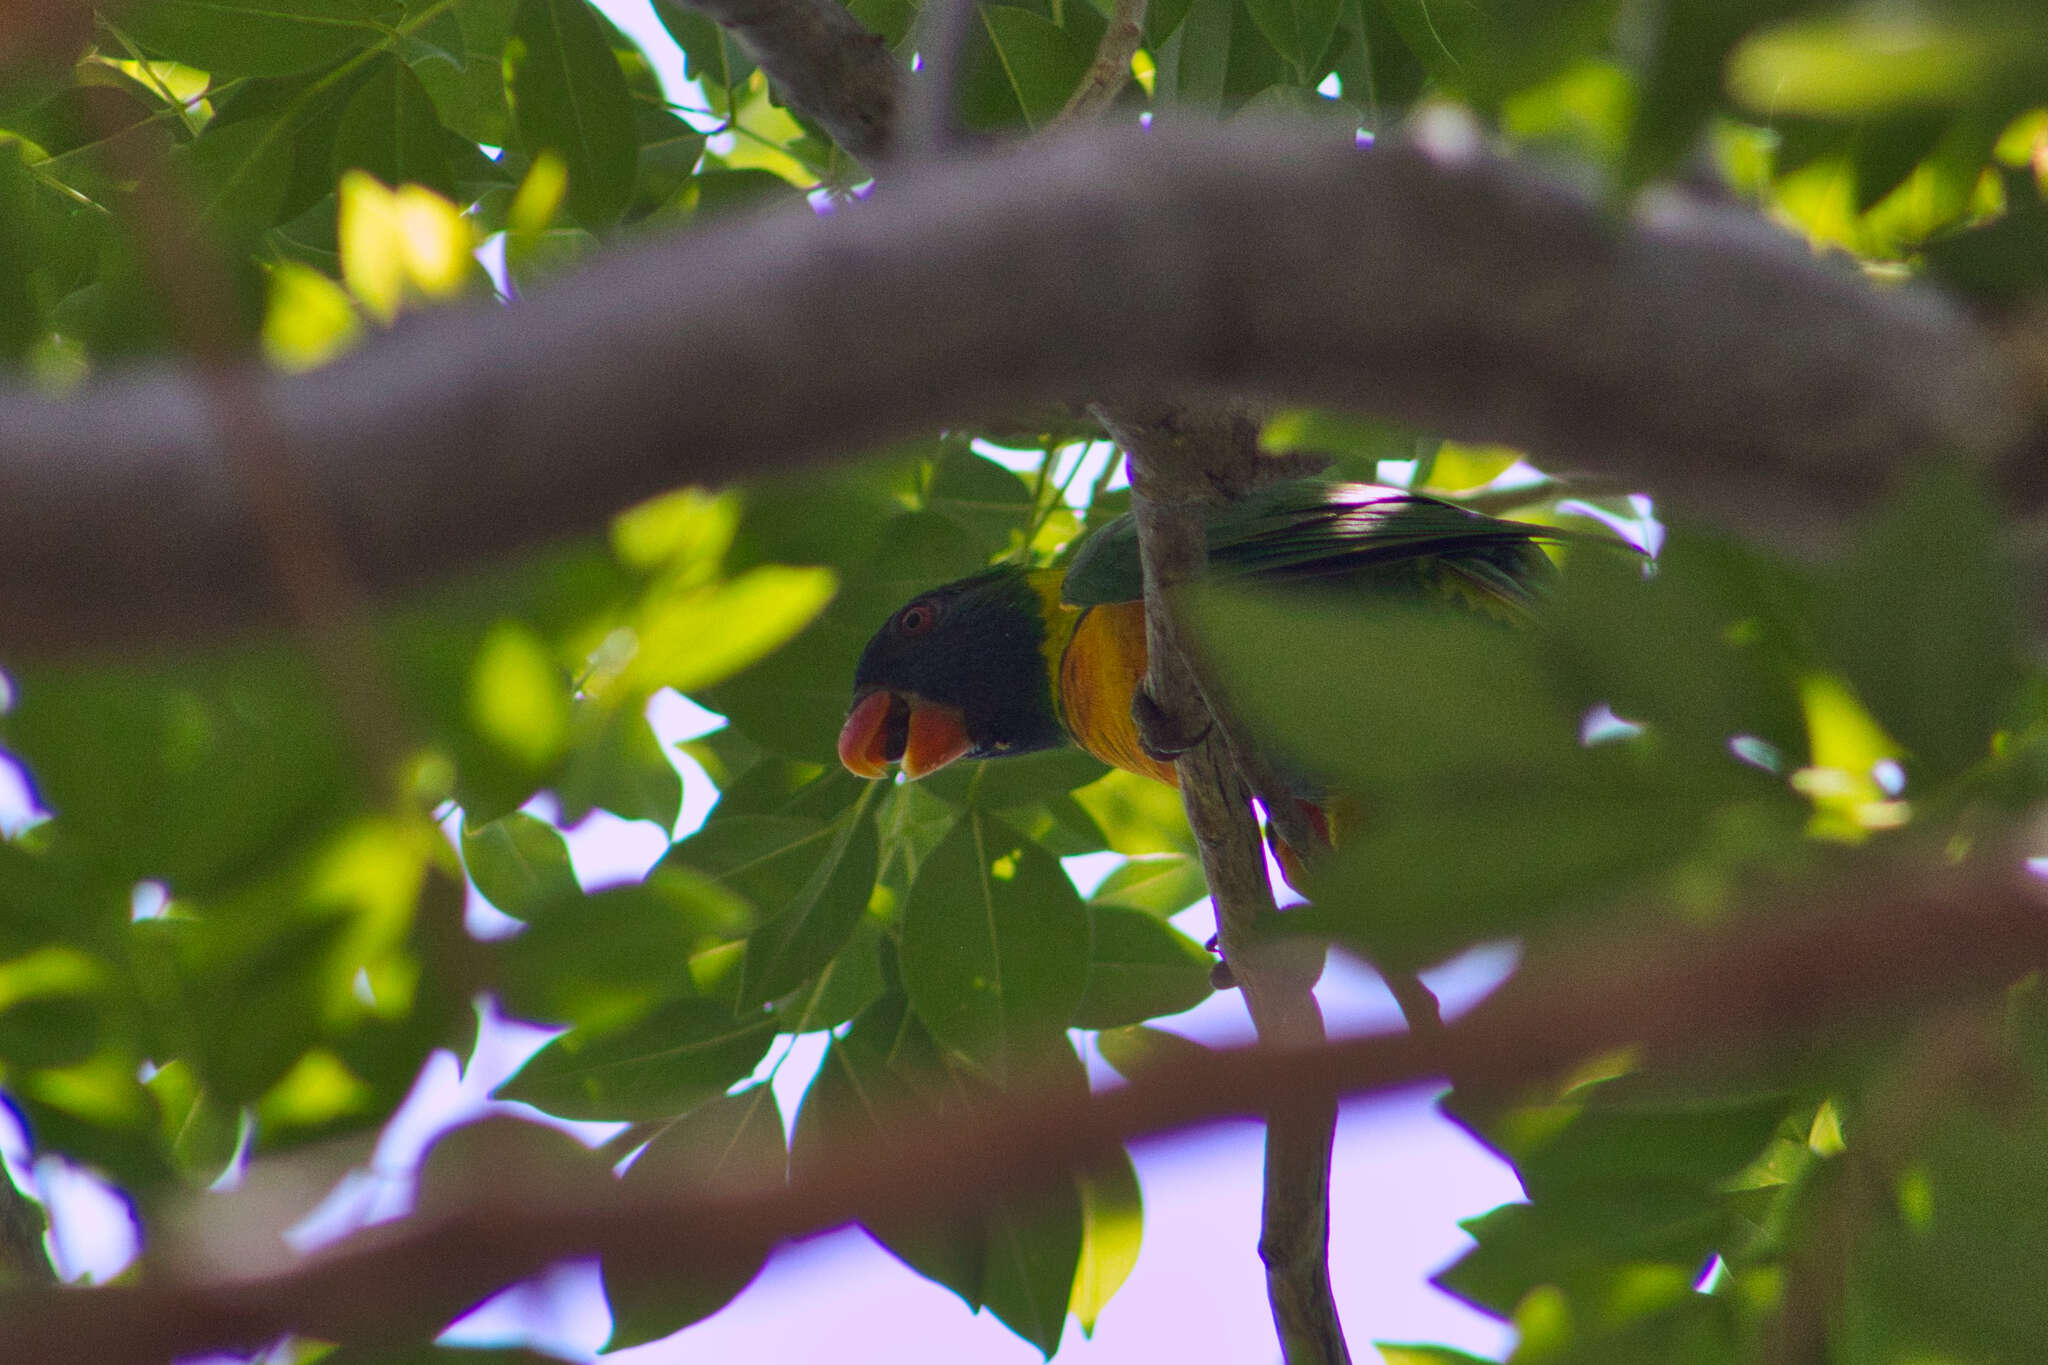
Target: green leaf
point(700, 636)
point(241, 38)
point(238, 173)
point(616, 763)
point(186, 771)
point(264, 993)
point(1025, 69)
point(682, 1054)
point(520, 864)
point(1924, 619)
point(1300, 31)
point(1132, 1050)
point(20, 322)
point(469, 92)
point(1622, 1174)
point(1448, 696)
point(795, 700)
point(1489, 48)
point(1872, 60)
point(989, 502)
point(429, 1354)
point(1113, 1225)
point(1216, 59)
point(1033, 1250)
point(569, 97)
point(841, 989)
point(200, 1133)
point(669, 151)
point(995, 945)
point(729, 1145)
point(1527, 850)
point(811, 878)
point(390, 129)
point(1705, 649)
point(2002, 260)
point(1163, 20)
point(1006, 783)
point(816, 923)
point(1683, 75)
point(1416, 1353)
point(711, 56)
point(884, 1075)
point(1160, 884)
point(1142, 968)
point(611, 956)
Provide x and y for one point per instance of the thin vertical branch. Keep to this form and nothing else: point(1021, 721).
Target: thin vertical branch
point(1179, 459)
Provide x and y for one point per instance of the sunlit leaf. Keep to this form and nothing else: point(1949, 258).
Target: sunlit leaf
point(309, 319)
point(1113, 1223)
point(697, 637)
point(518, 696)
point(400, 246)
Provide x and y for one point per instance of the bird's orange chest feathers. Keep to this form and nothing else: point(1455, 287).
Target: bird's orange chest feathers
point(1100, 670)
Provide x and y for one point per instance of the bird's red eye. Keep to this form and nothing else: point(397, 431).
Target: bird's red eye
point(917, 618)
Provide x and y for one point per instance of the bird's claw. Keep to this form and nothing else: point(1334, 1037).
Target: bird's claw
point(1162, 739)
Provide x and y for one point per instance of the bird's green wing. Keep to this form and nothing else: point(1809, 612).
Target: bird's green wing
point(1308, 531)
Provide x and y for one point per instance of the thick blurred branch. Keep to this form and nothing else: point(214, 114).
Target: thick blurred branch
point(1692, 350)
point(1772, 983)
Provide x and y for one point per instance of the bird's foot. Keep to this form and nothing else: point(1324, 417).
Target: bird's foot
point(1162, 739)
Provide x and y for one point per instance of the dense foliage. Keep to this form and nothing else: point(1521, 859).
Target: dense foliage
point(233, 935)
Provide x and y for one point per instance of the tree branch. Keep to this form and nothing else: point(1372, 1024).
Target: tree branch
point(1110, 71)
point(1766, 985)
point(1179, 460)
point(1690, 350)
point(825, 64)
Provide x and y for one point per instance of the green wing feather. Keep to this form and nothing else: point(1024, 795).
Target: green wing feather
point(1384, 538)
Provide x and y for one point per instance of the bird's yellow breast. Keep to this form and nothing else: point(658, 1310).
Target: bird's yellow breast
point(1099, 670)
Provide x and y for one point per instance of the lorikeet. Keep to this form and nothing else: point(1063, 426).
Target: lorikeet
point(1013, 660)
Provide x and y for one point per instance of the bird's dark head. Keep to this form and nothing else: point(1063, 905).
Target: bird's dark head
point(960, 671)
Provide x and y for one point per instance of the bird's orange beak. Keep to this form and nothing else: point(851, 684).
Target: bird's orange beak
point(864, 740)
point(887, 727)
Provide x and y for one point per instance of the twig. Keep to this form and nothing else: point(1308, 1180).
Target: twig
point(1110, 71)
point(1773, 983)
